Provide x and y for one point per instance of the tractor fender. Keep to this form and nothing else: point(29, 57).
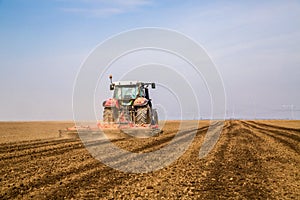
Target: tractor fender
point(109, 103)
point(140, 101)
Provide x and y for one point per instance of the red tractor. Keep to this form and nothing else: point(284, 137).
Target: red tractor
point(130, 105)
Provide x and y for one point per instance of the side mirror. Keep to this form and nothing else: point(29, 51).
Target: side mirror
point(153, 85)
point(111, 87)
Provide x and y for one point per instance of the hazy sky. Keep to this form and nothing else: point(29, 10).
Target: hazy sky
point(255, 46)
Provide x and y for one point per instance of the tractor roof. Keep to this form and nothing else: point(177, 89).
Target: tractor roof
point(126, 83)
point(133, 83)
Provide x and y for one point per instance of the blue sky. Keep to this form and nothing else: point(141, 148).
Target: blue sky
point(255, 45)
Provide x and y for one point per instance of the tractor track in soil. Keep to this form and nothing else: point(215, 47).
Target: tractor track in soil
point(6, 148)
point(235, 167)
point(252, 160)
point(287, 139)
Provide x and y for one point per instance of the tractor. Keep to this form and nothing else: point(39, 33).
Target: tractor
point(129, 110)
point(130, 105)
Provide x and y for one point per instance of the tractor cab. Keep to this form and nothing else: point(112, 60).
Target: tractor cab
point(125, 90)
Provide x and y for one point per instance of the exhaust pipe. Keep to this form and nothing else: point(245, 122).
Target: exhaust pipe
point(111, 86)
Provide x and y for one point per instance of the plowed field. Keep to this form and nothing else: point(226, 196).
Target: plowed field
point(252, 160)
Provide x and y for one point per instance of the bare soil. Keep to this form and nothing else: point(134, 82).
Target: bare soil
point(252, 160)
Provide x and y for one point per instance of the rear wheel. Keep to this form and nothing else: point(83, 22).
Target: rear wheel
point(142, 115)
point(108, 115)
